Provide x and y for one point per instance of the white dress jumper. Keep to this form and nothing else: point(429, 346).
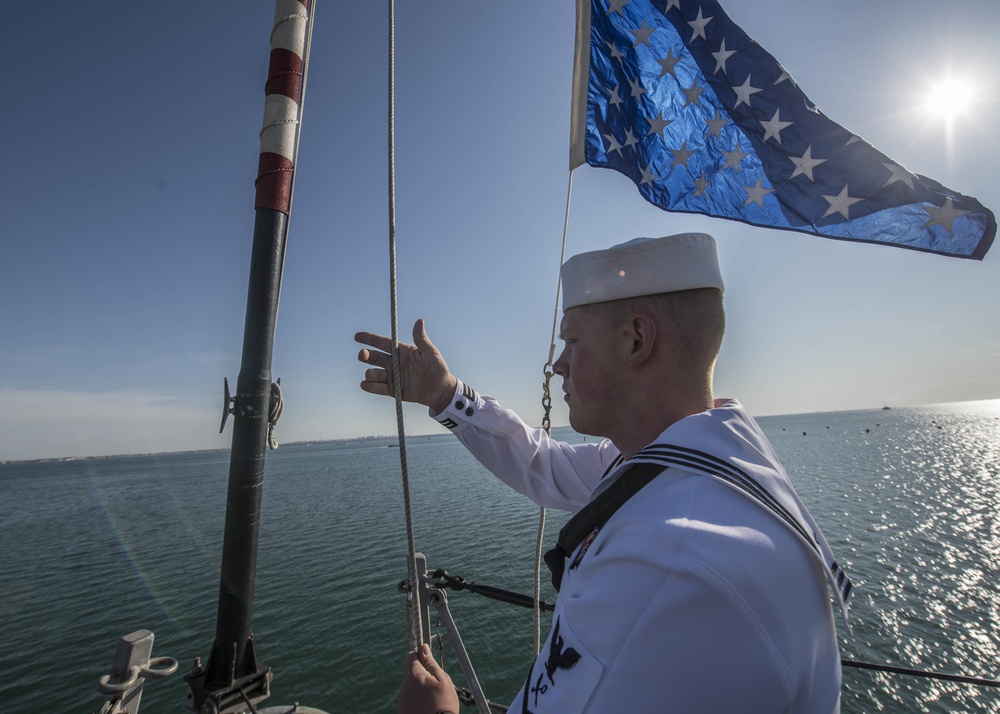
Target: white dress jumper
point(705, 592)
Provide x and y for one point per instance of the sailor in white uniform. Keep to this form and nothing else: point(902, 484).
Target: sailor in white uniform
point(692, 578)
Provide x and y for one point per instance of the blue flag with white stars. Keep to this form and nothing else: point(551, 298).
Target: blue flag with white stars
point(673, 94)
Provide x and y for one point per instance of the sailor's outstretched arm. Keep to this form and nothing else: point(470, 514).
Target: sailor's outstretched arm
point(552, 473)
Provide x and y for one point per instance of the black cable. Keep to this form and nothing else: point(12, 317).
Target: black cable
point(920, 673)
point(455, 582)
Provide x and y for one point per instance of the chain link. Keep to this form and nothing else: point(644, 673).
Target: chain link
point(547, 397)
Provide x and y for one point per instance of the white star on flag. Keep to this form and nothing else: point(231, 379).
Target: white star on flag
point(698, 25)
point(615, 52)
point(647, 175)
point(614, 145)
point(614, 100)
point(682, 154)
point(733, 158)
point(841, 203)
point(701, 183)
point(898, 173)
point(642, 34)
point(668, 62)
point(637, 89)
point(721, 56)
point(743, 93)
point(944, 216)
point(755, 194)
point(774, 126)
point(657, 124)
point(805, 164)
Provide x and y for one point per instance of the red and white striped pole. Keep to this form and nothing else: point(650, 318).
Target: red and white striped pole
point(281, 107)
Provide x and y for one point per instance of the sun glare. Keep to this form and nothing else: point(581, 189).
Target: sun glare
point(949, 97)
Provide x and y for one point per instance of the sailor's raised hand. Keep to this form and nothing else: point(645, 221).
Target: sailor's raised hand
point(423, 372)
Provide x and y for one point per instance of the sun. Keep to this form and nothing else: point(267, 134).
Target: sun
point(949, 97)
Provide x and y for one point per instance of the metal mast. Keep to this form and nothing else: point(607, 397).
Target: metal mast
point(232, 677)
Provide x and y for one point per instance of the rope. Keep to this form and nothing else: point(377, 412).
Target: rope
point(277, 404)
point(537, 591)
point(548, 369)
point(414, 626)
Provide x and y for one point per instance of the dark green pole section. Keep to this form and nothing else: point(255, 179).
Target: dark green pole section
point(232, 655)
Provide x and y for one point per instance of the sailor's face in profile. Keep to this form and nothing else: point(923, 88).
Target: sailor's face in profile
point(588, 368)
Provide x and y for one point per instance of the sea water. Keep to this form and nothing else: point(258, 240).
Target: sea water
point(92, 550)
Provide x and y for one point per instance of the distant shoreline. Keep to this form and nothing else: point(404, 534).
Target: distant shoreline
point(308, 442)
point(347, 440)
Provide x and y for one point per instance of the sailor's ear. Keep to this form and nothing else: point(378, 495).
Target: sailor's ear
point(641, 330)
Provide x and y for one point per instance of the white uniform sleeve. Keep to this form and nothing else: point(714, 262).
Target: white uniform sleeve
point(551, 473)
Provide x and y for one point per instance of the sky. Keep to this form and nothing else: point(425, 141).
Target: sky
point(127, 215)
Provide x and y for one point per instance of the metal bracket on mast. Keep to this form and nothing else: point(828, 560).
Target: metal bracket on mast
point(236, 696)
point(228, 404)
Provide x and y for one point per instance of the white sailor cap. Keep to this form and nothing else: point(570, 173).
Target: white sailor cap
point(644, 266)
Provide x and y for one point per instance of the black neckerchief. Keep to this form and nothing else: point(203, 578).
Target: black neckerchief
point(596, 513)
